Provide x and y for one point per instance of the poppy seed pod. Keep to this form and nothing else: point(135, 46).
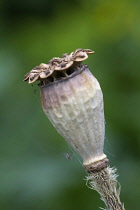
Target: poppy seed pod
point(72, 99)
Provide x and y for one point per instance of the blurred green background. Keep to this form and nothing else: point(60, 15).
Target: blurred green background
point(34, 171)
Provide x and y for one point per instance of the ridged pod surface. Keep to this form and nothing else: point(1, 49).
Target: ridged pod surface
point(74, 105)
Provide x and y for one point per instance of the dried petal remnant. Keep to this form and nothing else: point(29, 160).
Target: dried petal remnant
point(44, 71)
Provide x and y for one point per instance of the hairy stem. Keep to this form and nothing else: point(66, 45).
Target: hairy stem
point(105, 183)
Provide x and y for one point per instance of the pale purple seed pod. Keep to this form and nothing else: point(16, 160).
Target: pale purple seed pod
point(73, 102)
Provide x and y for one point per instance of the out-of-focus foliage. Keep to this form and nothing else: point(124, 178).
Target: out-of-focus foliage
point(35, 173)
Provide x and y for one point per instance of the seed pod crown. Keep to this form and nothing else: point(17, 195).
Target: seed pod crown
point(50, 70)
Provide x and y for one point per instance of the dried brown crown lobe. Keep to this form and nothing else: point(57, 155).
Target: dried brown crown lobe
point(58, 67)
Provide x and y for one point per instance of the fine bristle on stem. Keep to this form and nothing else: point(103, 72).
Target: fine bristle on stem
point(106, 184)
